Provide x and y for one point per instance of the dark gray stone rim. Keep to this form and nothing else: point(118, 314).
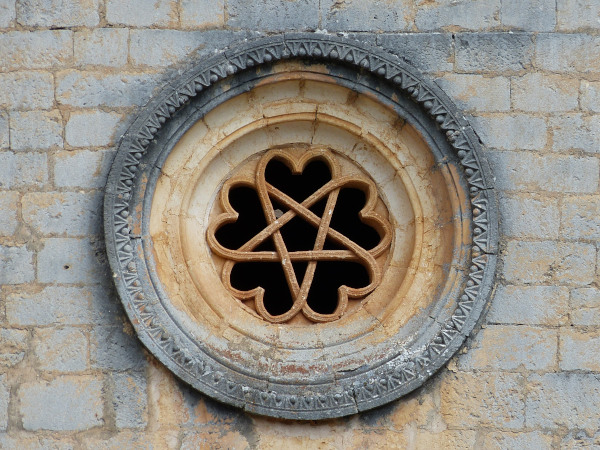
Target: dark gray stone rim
point(173, 347)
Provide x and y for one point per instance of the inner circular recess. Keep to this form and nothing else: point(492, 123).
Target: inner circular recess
point(299, 112)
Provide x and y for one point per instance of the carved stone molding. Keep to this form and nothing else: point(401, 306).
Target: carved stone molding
point(323, 92)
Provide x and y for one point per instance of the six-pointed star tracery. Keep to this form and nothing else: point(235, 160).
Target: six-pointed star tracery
point(348, 250)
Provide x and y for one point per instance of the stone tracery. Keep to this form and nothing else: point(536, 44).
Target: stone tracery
point(352, 251)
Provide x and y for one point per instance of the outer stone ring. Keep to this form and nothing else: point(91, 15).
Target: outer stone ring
point(302, 227)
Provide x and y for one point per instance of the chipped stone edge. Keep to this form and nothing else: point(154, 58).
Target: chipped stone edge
point(156, 329)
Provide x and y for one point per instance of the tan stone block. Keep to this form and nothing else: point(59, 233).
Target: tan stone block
point(579, 349)
point(527, 215)
point(130, 440)
point(530, 305)
point(13, 346)
point(377, 440)
point(535, 92)
point(590, 95)
point(549, 261)
point(505, 440)
point(580, 218)
point(448, 439)
point(512, 347)
point(563, 400)
point(585, 303)
point(330, 434)
point(483, 399)
point(478, 93)
point(35, 49)
point(166, 404)
point(420, 411)
point(215, 438)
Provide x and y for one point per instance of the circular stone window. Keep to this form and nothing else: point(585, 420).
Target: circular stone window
point(302, 227)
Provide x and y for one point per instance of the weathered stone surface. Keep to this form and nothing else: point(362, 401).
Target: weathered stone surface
point(273, 15)
point(512, 132)
point(26, 90)
point(8, 213)
point(476, 92)
point(7, 13)
point(458, 14)
point(16, 265)
point(548, 261)
point(575, 15)
point(530, 305)
point(590, 95)
point(4, 399)
point(535, 92)
point(483, 399)
point(511, 347)
point(567, 53)
point(69, 260)
point(420, 410)
point(529, 216)
point(530, 172)
point(13, 345)
point(61, 350)
point(202, 13)
point(455, 439)
point(363, 16)
point(143, 440)
point(580, 440)
point(534, 15)
point(19, 170)
point(430, 52)
point(493, 52)
point(213, 438)
point(58, 13)
point(576, 132)
point(563, 400)
point(164, 47)
point(274, 435)
point(130, 400)
point(142, 13)
point(4, 139)
point(579, 350)
point(506, 440)
point(82, 169)
point(57, 305)
point(35, 130)
point(35, 50)
point(63, 213)
point(580, 218)
point(586, 306)
point(70, 403)
point(102, 47)
point(92, 129)
point(32, 442)
point(112, 348)
point(89, 89)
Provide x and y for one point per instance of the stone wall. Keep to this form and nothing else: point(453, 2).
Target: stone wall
point(74, 72)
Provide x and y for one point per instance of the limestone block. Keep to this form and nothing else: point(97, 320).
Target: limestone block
point(70, 403)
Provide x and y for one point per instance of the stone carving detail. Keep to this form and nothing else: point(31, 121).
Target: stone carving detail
point(268, 193)
point(400, 373)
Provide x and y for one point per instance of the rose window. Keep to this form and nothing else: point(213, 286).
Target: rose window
point(302, 226)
